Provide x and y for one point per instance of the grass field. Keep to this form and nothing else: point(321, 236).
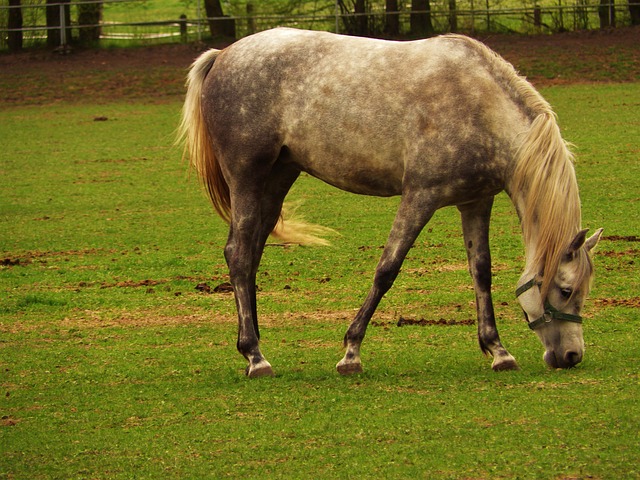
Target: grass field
point(116, 361)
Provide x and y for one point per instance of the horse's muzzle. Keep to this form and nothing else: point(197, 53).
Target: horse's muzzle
point(569, 360)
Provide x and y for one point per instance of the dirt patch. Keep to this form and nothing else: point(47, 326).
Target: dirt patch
point(622, 238)
point(7, 421)
point(224, 287)
point(633, 302)
point(157, 73)
point(13, 262)
point(441, 321)
point(88, 320)
point(632, 252)
point(421, 322)
point(28, 258)
point(132, 284)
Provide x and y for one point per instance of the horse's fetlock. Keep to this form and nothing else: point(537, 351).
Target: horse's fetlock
point(247, 347)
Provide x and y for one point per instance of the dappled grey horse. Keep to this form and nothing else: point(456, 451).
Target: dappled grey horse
point(443, 121)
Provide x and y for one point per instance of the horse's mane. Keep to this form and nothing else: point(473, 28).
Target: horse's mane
point(543, 176)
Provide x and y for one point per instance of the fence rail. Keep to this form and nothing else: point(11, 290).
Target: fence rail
point(38, 28)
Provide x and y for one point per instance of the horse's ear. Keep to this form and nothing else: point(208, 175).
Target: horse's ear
point(593, 240)
point(578, 241)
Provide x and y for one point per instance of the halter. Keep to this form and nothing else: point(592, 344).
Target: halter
point(550, 312)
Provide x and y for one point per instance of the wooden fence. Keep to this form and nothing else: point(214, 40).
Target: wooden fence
point(60, 25)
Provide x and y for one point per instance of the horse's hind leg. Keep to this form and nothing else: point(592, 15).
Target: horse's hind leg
point(475, 226)
point(239, 254)
point(413, 214)
point(255, 212)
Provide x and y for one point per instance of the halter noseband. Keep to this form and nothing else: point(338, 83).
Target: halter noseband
point(550, 312)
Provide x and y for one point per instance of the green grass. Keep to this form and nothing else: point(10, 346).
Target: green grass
point(113, 365)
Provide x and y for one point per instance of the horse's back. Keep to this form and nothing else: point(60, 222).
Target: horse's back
point(359, 112)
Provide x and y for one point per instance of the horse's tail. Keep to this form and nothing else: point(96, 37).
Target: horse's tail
point(198, 148)
point(291, 228)
point(544, 170)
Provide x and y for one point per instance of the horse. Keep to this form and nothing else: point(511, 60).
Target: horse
point(441, 122)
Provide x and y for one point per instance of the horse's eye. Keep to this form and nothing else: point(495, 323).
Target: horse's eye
point(566, 292)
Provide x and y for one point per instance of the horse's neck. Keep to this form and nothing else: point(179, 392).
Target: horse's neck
point(543, 244)
point(544, 190)
point(539, 236)
point(530, 236)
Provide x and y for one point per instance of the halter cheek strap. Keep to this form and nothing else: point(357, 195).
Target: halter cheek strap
point(523, 288)
point(550, 312)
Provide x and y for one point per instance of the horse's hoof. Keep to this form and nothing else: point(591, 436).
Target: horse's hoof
point(505, 364)
point(263, 369)
point(349, 368)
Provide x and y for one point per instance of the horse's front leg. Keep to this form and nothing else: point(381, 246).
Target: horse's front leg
point(475, 226)
point(413, 214)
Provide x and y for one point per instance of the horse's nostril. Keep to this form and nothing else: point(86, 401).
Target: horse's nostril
point(572, 358)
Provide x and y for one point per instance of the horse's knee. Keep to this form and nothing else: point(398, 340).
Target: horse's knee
point(229, 248)
point(384, 277)
point(239, 263)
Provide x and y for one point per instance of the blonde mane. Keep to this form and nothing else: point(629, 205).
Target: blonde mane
point(544, 178)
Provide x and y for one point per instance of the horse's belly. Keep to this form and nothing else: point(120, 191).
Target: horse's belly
point(361, 182)
point(357, 172)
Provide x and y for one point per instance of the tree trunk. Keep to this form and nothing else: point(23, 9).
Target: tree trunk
point(362, 24)
point(225, 27)
point(54, 22)
point(14, 23)
point(392, 18)
point(634, 11)
point(89, 16)
point(607, 13)
point(421, 25)
point(355, 23)
point(453, 16)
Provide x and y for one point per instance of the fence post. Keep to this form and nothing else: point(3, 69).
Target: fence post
point(488, 11)
point(183, 28)
point(63, 28)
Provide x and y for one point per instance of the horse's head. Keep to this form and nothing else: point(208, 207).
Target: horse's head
point(556, 319)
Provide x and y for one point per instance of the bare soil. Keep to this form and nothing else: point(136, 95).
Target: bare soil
point(157, 73)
